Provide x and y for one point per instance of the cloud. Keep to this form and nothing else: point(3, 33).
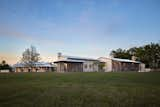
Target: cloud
point(44, 42)
point(32, 39)
point(15, 34)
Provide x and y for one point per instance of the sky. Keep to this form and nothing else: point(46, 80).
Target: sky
point(87, 28)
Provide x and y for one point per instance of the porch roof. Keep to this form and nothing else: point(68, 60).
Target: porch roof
point(102, 59)
point(36, 64)
point(69, 60)
point(125, 60)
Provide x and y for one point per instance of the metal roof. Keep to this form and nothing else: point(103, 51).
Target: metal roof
point(37, 64)
point(69, 60)
point(119, 59)
point(74, 59)
point(125, 60)
point(79, 58)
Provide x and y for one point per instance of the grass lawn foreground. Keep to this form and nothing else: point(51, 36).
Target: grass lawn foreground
point(80, 89)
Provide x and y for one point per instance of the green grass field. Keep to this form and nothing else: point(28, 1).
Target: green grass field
point(80, 90)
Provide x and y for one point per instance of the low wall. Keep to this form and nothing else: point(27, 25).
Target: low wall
point(4, 71)
point(155, 70)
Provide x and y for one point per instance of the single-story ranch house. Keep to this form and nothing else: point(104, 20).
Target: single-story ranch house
point(79, 64)
point(38, 67)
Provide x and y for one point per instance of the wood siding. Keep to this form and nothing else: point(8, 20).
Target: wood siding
point(125, 66)
point(33, 69)
point(69, 67)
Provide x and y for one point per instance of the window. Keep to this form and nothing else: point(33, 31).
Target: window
point(90, 66)
point(85, 66)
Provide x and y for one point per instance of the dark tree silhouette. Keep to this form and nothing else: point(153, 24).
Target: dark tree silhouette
point(5, 66)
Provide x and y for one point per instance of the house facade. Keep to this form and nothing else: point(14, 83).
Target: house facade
point(38, 67)
point(121, 65)
point(79, 64)
point(76, 64)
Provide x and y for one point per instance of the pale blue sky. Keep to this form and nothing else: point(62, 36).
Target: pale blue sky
point(90, 28)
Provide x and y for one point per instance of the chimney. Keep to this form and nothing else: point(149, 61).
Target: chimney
point(134, 58)
point(111, 56)
point(59, 55)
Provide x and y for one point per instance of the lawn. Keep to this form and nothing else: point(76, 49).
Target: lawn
point(80, 90)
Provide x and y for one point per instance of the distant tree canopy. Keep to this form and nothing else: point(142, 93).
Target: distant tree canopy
point(4, 66)
point(121, 53)
point(30, 56)
point(148, 54)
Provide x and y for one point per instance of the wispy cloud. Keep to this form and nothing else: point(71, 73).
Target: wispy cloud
point(14, 33)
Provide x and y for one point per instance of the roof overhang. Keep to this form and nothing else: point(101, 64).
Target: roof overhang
point(69, 61)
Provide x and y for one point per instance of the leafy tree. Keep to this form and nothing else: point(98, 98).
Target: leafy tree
point(120, 53)
point(30, 56)
point(151, 55)
point(148, 54)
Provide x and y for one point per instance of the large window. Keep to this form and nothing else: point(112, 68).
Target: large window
point(85, 66)
point(90, 66)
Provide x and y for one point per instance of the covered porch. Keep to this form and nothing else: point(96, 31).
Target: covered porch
point(69, 66)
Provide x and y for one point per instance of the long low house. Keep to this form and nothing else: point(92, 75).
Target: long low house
point(79, 64)
point(76, 64)
point(38, 67)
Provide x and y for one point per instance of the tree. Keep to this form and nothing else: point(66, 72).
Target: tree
point(148, 54)
point(3, 62)
point(4, 66)
point(152, 55)
point(30, 56)
point(120, 53)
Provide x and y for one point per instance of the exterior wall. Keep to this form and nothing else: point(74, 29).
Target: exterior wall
point(84, 66)
point(44, 69)
point(142, 68)
point(108, 64)
point(21, 69)
point(69, 67)
point(34, 69)
point(151, 70)
point(125, 66)
point(117, 66)
point(4, 71)
point(90, 66)
point(74, 67)
point(61, 67)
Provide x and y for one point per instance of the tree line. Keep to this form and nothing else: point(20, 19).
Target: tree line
point(4, 66)
point(148, 54)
